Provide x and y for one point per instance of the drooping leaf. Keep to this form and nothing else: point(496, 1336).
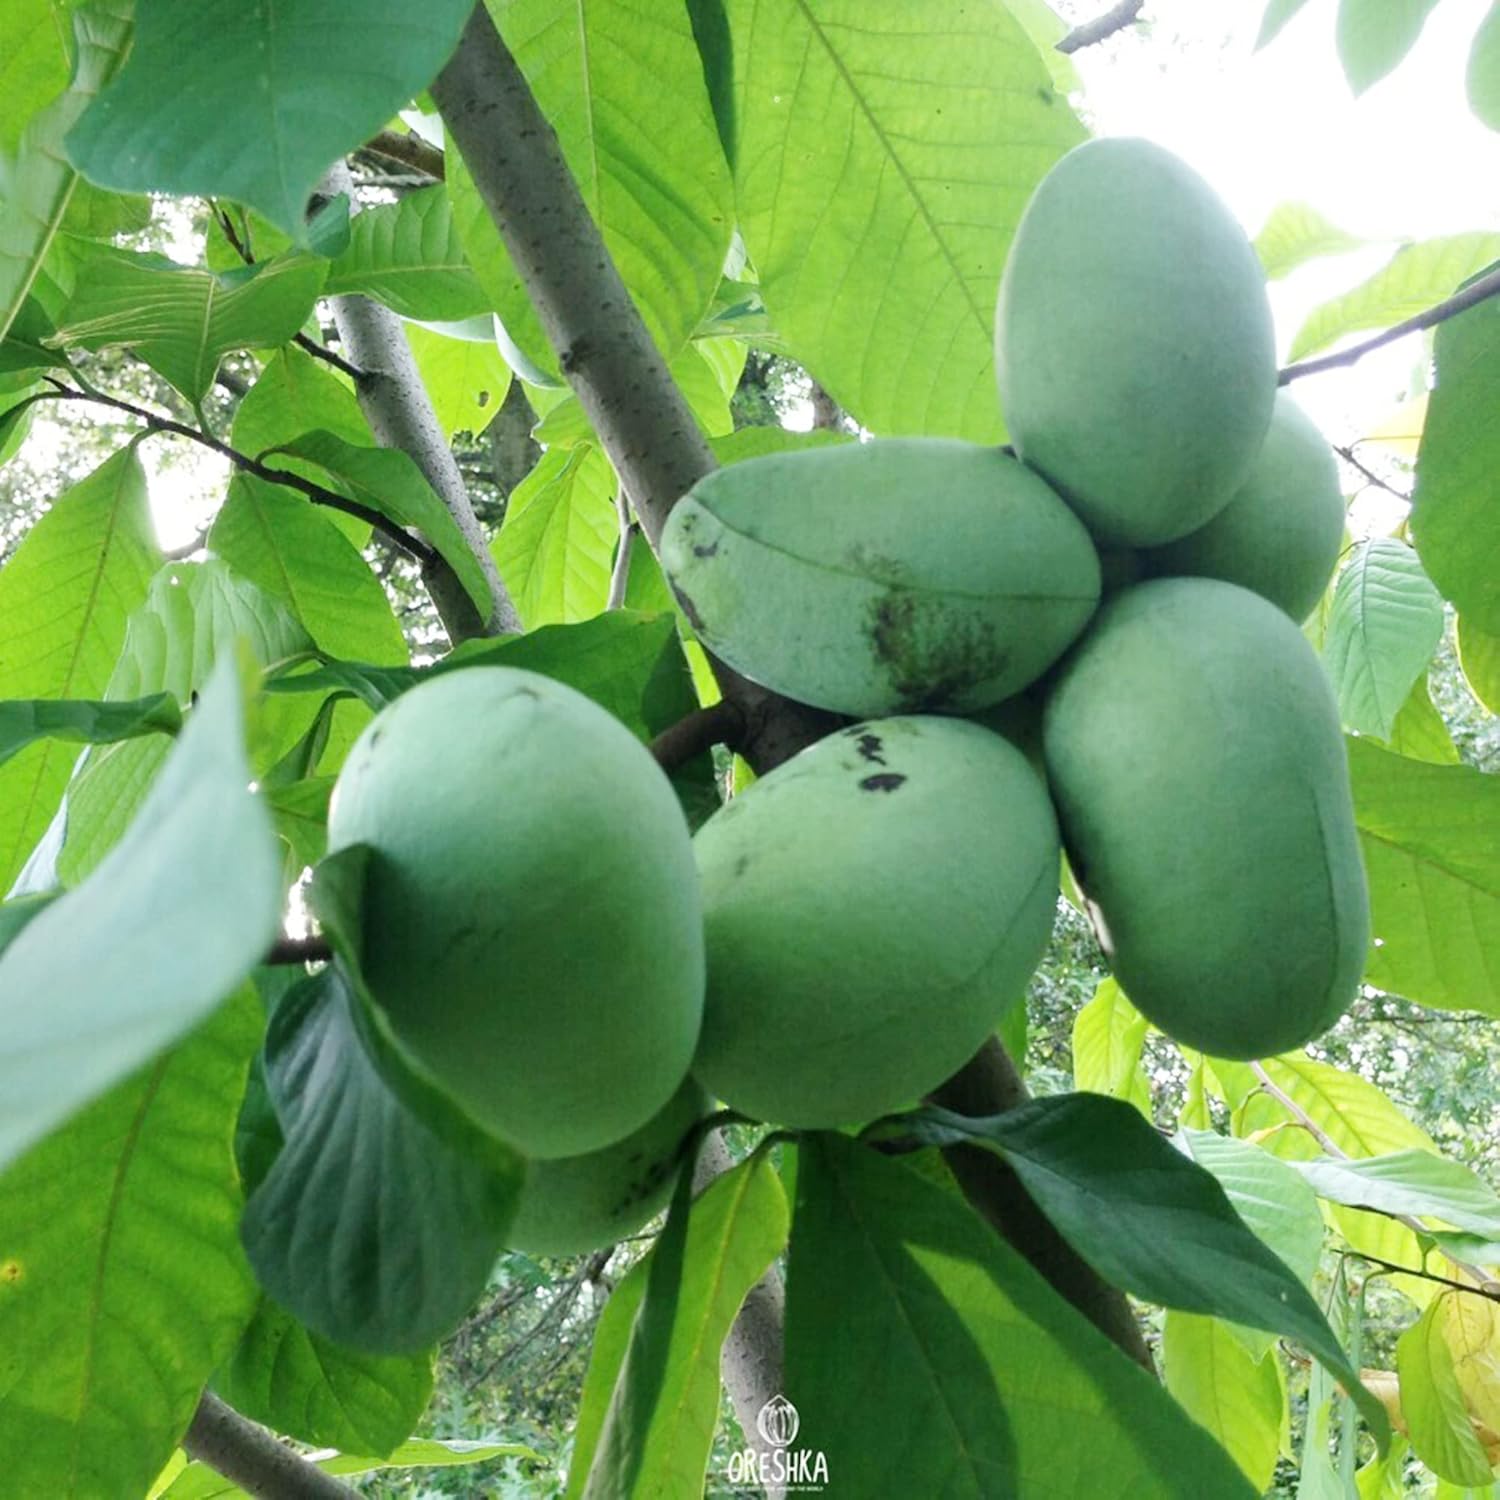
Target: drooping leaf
point(64, 598)
point(657, 1433)
point(170, 922)
point(370, 1229)
point(1374, 35)
point(96, 214)
point(555, 546)
point(1471, 1328)
point(1108, 1035)
point(299, 1384)
point(123, 1284)
point(296, 554)
point(407, 255)
point(1419, 732)
point(34, 62)
point(205, 77)
point(37, 182)
point(900, 1300)
point(1482, 77)
point(1433, 1404)
point(1296, 233)
point(606, 1354)
point(1415, 1183)
point(1109, 1183)
point(1384, 625)
point(1227, 1391)
point(1479, 653)
point(1416, 277)
point(1455, 517)
point(1277, 14)
point(467, 379)
point(881, 170)
point(76, 721)
point(183, 320)
point(1429, 835)
point(296, 393)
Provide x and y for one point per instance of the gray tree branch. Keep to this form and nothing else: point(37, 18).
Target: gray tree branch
point(1116, 18)
point(243, 1451)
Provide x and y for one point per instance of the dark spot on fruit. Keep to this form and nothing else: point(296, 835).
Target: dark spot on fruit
point(932, 656)
point(690, 610)
point(869, 747)
point(376, 735)
point(882, 781)
point(710, 550)
point(741, 864)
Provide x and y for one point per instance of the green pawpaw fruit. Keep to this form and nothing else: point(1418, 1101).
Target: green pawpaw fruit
point(532, 925)
point(1281, 534)
point(574, 1204)
point(867, 578)
point(1194, 752)
point(1133, 342)
point(872, 908)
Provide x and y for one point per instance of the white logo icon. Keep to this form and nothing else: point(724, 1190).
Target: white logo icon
point(778, 1422)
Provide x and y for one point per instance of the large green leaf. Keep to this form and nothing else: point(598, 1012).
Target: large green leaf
point(37, 183)
point(296, 554)
point(925, 1357)
point(23, 721)
point(173, 918)
point(657, 1433)
point(1374, 35)
point(1419, 732)
point(1479, 652)
point(34, 62)
point(124, 1285)
point(1108, 1035)
point(1432, 1402)
point(881, 169)
point(1415, 278)
point(407, 255)
point(1455, 518)
point(606, 1354)
point(1417, 1183)
point(183, 320)
point(467, 379)
point(237, 98)
point(1383, 627)
point(559, 535)
point(1296, 233)
point(373, 1231)
point(1277, 13)
point(1226, 1390)
point(1483, 74)
point(64, 598)
point(1429, 835)
point(622, 85)
point(296, 393)
point(1109, 1183)
point(297, 1383)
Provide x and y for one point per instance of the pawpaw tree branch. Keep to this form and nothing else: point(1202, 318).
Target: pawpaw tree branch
point(408, 149)
point(1117, 18)
point(244, 1452)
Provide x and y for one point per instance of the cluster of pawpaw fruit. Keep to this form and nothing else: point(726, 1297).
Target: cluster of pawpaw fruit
point(546, 939)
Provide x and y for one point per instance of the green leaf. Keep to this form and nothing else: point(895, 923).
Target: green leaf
point(1429, 835)
point(881, 170)
point(1416, 278)
point(174, 918)
point(407, 255)
point(388, 480)
point(606, 1354)
point(1296, 233)
point(466, 379)
point(1109, 1182)
point(34, 62)
point(289, 548)
point(1479, 655)
point(368, 1228)
point(81, 722)
point(756, 442)
point(94, 214)
point(124, 1286)
point(296, 393)
point(37, 183)
point(297, 1383)
point(259, 73)
point(1384, 625)
point(1374, 35)
point(1455, 518)
point(622, 85)
point(1416, 1183)
point(1483, 75)
point(1241, 1400)
point(1419, 732)
point(183, 320)
point(658, 1431)
point(1277, 14)
point(1046, 29)
point(925, 1357)
point(1433, 1404)
point(64, 598)
point(1108, 1035)
point(558, 538)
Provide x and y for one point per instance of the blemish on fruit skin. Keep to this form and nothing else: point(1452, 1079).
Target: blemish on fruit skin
point(711, 550)
point(741, 864)
point(882, 781)
point(869, 747)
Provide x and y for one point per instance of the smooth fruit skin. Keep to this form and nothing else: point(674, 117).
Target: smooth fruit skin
point(574, 1204)
point(872, 908)
point(1281, 534)
point(532, 924)
point(870, 578)
point(1133, 342)
point(1195, 757)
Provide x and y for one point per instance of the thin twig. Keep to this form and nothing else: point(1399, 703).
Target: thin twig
point(720, 724)
point(1347, 454)
point(182, 553)
point(317, 493)
point(323, 352)
point(1470, 296)
point(1117, 18)
point(410, 150)
point(619, 579)
point(305, 950)
point(1490, 1289)
point(244, 1452)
